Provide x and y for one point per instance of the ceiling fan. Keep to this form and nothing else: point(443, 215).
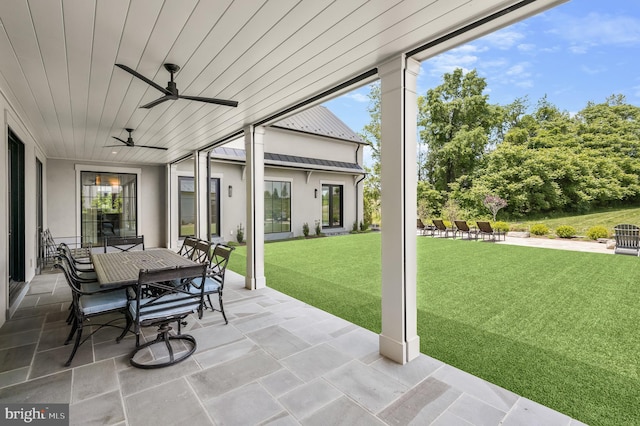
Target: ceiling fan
point(171, 91)
point(129, 142)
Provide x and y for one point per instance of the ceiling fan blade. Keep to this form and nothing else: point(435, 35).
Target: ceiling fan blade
point(121, 140)
point(143, 78)
point(154, 147)
point(156, 102)
point(113, 146)
point(210, 100)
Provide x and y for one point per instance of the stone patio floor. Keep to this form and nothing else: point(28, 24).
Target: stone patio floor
point(277, 362)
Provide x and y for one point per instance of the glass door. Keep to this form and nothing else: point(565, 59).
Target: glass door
point(16, 213)
point(109, 206)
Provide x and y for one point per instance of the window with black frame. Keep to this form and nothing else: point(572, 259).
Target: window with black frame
point(108, 205)
point(186, 206)
point(331, 206)
point(277, 207)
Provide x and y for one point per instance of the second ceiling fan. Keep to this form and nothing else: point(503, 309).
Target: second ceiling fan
point(129, 142)
point(171, 91)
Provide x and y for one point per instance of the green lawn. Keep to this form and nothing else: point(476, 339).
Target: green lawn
point(559, 327)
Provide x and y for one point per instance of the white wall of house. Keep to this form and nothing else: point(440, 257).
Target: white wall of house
point(64, 207)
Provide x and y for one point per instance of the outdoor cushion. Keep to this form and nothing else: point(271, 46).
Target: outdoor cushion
point(172, 304)
point(101, 302)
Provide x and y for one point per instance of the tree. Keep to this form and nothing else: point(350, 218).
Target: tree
point(458, 122)
point(494, 204)
point(371, 135)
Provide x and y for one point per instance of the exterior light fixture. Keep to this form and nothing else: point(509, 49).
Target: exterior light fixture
point(230, 190)
point(315, 193)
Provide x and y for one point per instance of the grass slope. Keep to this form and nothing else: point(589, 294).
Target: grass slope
point(558, 327)
point(607, 218)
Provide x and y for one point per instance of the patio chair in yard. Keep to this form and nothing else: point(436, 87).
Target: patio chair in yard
point(124, 243)
point(214, 281)
point(420, 226)
point(167, 304)
point(627, 239)
point(440, 227)
point(88, 303)
point(461, 227)
point(486, 230)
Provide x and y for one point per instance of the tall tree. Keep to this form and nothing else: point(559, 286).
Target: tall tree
point(458, 122)
point(371, 135)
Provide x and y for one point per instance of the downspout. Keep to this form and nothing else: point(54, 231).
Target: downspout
point(357, 182)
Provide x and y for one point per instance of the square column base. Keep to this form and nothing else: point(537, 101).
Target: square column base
point(400, 352)
point(255, 283)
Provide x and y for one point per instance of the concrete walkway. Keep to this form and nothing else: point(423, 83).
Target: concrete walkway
point(559, 244)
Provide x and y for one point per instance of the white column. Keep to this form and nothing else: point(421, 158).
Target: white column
point(200, 189)
point(399, 339)
point(254, 229)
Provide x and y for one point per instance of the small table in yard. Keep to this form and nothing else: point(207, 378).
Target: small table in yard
point(121, 269)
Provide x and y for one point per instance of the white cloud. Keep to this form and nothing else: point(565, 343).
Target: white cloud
point(504, 39)
point(526, 47)
point(593, 71)
point(358, 97)
point(447, 62)
point(597, 29)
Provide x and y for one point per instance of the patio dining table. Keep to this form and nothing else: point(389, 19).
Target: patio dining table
point(122, 269)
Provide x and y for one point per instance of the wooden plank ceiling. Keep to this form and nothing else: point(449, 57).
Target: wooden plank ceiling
point(58, 57)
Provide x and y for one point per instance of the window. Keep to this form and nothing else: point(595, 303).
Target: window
point(277, 207)
point(108, 205)
point(186, 206)
point(214, 207)
point(331, 206)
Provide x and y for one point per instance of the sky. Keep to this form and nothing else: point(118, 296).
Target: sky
point(580, 51)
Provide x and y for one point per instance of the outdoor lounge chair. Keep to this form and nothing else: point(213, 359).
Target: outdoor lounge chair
point(461, 227)
point(486, 230)
point(440, 227)
point(420, 226)
point(627, 239)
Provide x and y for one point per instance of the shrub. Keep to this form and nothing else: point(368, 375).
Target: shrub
point(518, 227)
point(354, 227)
point(240, 234)
point(596, 232)
point(305, 229)
point(501, 226)
point(539, 229)
point(363, 226)
point(565, 231)
point(318, 229)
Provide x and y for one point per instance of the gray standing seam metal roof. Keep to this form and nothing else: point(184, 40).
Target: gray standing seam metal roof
point(235, 154)
point(319, 120)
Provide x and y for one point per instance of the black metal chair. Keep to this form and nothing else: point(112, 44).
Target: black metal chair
point(124, 243)
point(158, 303)
point(188, 246)
point(87, 304)
point(214, 281)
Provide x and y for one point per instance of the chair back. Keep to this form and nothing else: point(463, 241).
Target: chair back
point(485, 227)
point(201, 251)
point(462, 225)
point(439, 224)
point(419, 224)
point(218, 263)
point(158, 301)
point(627, 236)
point(188, 246)
point(124, 243)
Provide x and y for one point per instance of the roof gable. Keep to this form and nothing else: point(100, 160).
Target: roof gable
point(318, 120)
